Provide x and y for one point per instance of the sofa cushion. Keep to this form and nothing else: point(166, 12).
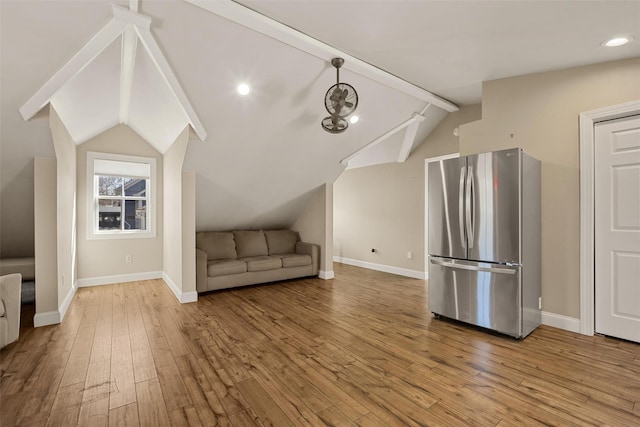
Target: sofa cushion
point(217, 245)
point(250, 243)
point(281, 241)
point(225, 267)
point(295, 260)
point(262, 263)
point(2, 310)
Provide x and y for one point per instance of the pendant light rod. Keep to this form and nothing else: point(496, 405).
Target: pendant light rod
point(337, 62)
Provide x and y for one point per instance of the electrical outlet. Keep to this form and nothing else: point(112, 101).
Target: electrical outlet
point(409, 255)
point(540, 303)
point(127, 259)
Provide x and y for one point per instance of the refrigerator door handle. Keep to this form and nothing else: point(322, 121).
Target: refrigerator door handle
point(463, 173)
point(469, 207)
point(451, 264)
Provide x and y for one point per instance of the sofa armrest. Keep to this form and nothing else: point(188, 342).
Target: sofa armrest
point(201, 271)
point(312, 250)
point(10, 294)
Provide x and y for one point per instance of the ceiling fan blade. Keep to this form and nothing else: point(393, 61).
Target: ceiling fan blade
point(348, 104)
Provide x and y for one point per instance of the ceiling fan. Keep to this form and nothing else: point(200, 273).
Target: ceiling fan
point(341, 100)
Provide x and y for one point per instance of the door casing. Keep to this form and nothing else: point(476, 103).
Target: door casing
point(587, 121)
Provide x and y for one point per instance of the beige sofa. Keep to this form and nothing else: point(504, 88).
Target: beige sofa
point(239, 258)
point(9, 308)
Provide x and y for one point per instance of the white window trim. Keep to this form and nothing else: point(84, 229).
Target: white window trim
point(92, 231)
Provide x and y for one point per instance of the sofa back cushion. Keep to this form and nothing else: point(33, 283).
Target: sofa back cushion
point(217, 245)
point(250, 243)
point(281, 241)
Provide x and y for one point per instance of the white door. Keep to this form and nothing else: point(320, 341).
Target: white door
point(617, 228)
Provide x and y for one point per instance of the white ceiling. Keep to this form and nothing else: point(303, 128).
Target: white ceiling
point(266, 153)
point(450, 47)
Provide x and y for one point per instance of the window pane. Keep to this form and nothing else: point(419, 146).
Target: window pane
point(110, 186)
point(135, 187)
point(110, 214)
point(135, 215)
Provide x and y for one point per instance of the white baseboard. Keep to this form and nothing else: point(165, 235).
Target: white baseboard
point(183, 297)
point(118, 278)
point(67, 301)
point(54, 317)
point(326, 275)
point(189, 297)
point(381, 267)
point(560, 321)
point(46, 318)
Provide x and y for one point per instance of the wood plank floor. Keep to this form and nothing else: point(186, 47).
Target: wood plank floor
point(361, 349)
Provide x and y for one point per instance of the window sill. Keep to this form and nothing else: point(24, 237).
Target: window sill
point(118, 235)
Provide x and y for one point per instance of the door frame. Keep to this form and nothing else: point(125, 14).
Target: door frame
point(587, 121)
point(426, 205)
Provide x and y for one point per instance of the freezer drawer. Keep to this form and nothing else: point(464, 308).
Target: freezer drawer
point(482, 294)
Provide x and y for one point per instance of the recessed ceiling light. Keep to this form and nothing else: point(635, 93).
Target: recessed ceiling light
point(617, 41)
point(354, 119)
point(243, 89)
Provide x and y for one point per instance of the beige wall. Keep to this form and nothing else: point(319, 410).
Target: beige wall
point(382, 207)
point(99, 258)
point(45, 226)
point(539, 112)
point(65, 150)
point(315, 225)
point(16, 206)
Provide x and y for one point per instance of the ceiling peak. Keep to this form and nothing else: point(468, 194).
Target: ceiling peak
point(132, 27)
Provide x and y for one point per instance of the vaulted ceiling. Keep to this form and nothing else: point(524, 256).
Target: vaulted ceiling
point(264, 154)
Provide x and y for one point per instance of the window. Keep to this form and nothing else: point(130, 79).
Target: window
point(121, 195)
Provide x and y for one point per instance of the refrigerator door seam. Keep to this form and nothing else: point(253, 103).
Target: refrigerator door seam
point(468, 208)
point(463, 243)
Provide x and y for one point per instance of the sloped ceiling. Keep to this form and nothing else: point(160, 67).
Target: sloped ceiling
point(451, 47)
point(111, 81)
point(265, 153)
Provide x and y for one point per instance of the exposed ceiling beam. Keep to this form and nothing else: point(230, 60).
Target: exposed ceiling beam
point(410, 135)
point(131, 17)
point(378, 140)
point(80, 60)
point(414, 121)
point(409, 138)
point(123, 20)
point(267, 26)
point(127, 66)
point(167, 74)
point(133, 5)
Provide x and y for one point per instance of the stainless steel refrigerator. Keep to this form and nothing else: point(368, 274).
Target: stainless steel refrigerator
point(484, 240)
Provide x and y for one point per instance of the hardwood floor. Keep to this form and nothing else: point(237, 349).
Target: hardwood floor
point(361, 349)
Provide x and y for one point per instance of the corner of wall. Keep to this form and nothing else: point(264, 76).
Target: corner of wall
point(179, 220)
point(315, 225)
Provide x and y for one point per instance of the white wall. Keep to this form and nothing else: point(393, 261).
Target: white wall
point(65, 150)
point(173, 209)
point(188, 236)
point(106, 258)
